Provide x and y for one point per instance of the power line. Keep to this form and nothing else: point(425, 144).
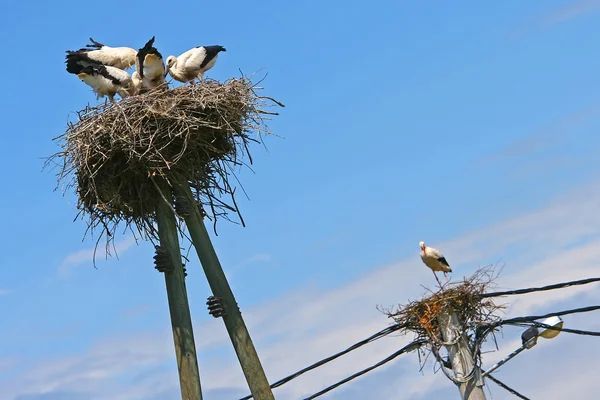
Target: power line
point(506, 387)
point(555, 328)
point(372, 338)
point(531, 318)
point(539, 289)
point(527, 321)
point(409, 347)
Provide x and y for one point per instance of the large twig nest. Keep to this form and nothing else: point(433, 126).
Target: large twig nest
point(462, 298)
point(114, 153)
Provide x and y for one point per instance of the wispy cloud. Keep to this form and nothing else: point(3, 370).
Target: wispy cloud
point(570, 11)
point(558, 242)
point(255, 259)
point(4, 292)
point(77, 258)
point(5, 364)
point(258, 260)
point(136, 311)
point(545, 138)
point(557, 15)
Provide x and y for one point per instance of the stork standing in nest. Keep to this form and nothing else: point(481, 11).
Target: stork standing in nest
point(435, 260)
point(97, 53)
point(103, 79)
point(150, 66)
point(193, 63)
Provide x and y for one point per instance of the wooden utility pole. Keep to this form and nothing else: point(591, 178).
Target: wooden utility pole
point(179, 308)
point(242, 343)
point(461, 356)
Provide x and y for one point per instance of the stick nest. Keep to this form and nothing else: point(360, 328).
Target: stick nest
point(113, 155)
point(420, 316)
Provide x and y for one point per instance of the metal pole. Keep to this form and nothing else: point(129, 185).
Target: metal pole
point(179, 308)
point(244, 348)
point(461, 357)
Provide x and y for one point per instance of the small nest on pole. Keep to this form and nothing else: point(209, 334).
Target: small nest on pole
point(113, 155)
point(420, 316)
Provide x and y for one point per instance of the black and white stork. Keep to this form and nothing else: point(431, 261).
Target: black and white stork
point(150, 66)
point(435, 260)
point(193, 63)
point(97, 53)
point(105, 80)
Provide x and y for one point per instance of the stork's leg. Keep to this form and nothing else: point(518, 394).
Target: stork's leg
point(436, 278)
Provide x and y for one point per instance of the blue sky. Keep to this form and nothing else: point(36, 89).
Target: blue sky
point(471, 126)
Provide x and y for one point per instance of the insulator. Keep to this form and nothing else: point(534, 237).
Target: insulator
point(215, 307)
point(182, 206)
point(161, 260)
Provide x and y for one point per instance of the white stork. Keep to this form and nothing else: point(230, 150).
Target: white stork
point(136, 83)
point(193, 63)
point(150, 66)
point(97, 53)
point(103, 79)
point(435, 260)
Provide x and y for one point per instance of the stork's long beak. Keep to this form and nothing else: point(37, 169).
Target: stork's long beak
point(166, 70)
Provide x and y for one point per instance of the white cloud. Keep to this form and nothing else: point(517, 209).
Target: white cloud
point(4, 292)
point(558, 242)
point(87, 255)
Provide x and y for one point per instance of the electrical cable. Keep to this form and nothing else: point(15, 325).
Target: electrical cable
point(539, 289)
point(409, 347)
point(487, 328)
point(554, 328)
point(531, 318)
point(372, 338)
point(504, 386)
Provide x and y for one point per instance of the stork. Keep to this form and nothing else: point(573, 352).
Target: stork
point(150, 66)
point(193, 63)
point(435, 260)
point(118, 57)
point(103, 79)
point(136, 83)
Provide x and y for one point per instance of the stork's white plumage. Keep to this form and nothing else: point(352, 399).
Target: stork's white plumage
point(136, 83)
point(97, 53)
point(150, 66)
point(106, 80)
point(435, 260)
point(193, 63)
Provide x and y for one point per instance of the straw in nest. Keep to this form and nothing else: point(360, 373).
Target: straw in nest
point(113, 155)
point(462, 298)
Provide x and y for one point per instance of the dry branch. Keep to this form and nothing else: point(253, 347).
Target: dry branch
point(196, 134)
point(463, 297)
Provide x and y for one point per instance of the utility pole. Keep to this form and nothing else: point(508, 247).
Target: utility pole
point(461, 356)
point(168, 261)
point(242, 343)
